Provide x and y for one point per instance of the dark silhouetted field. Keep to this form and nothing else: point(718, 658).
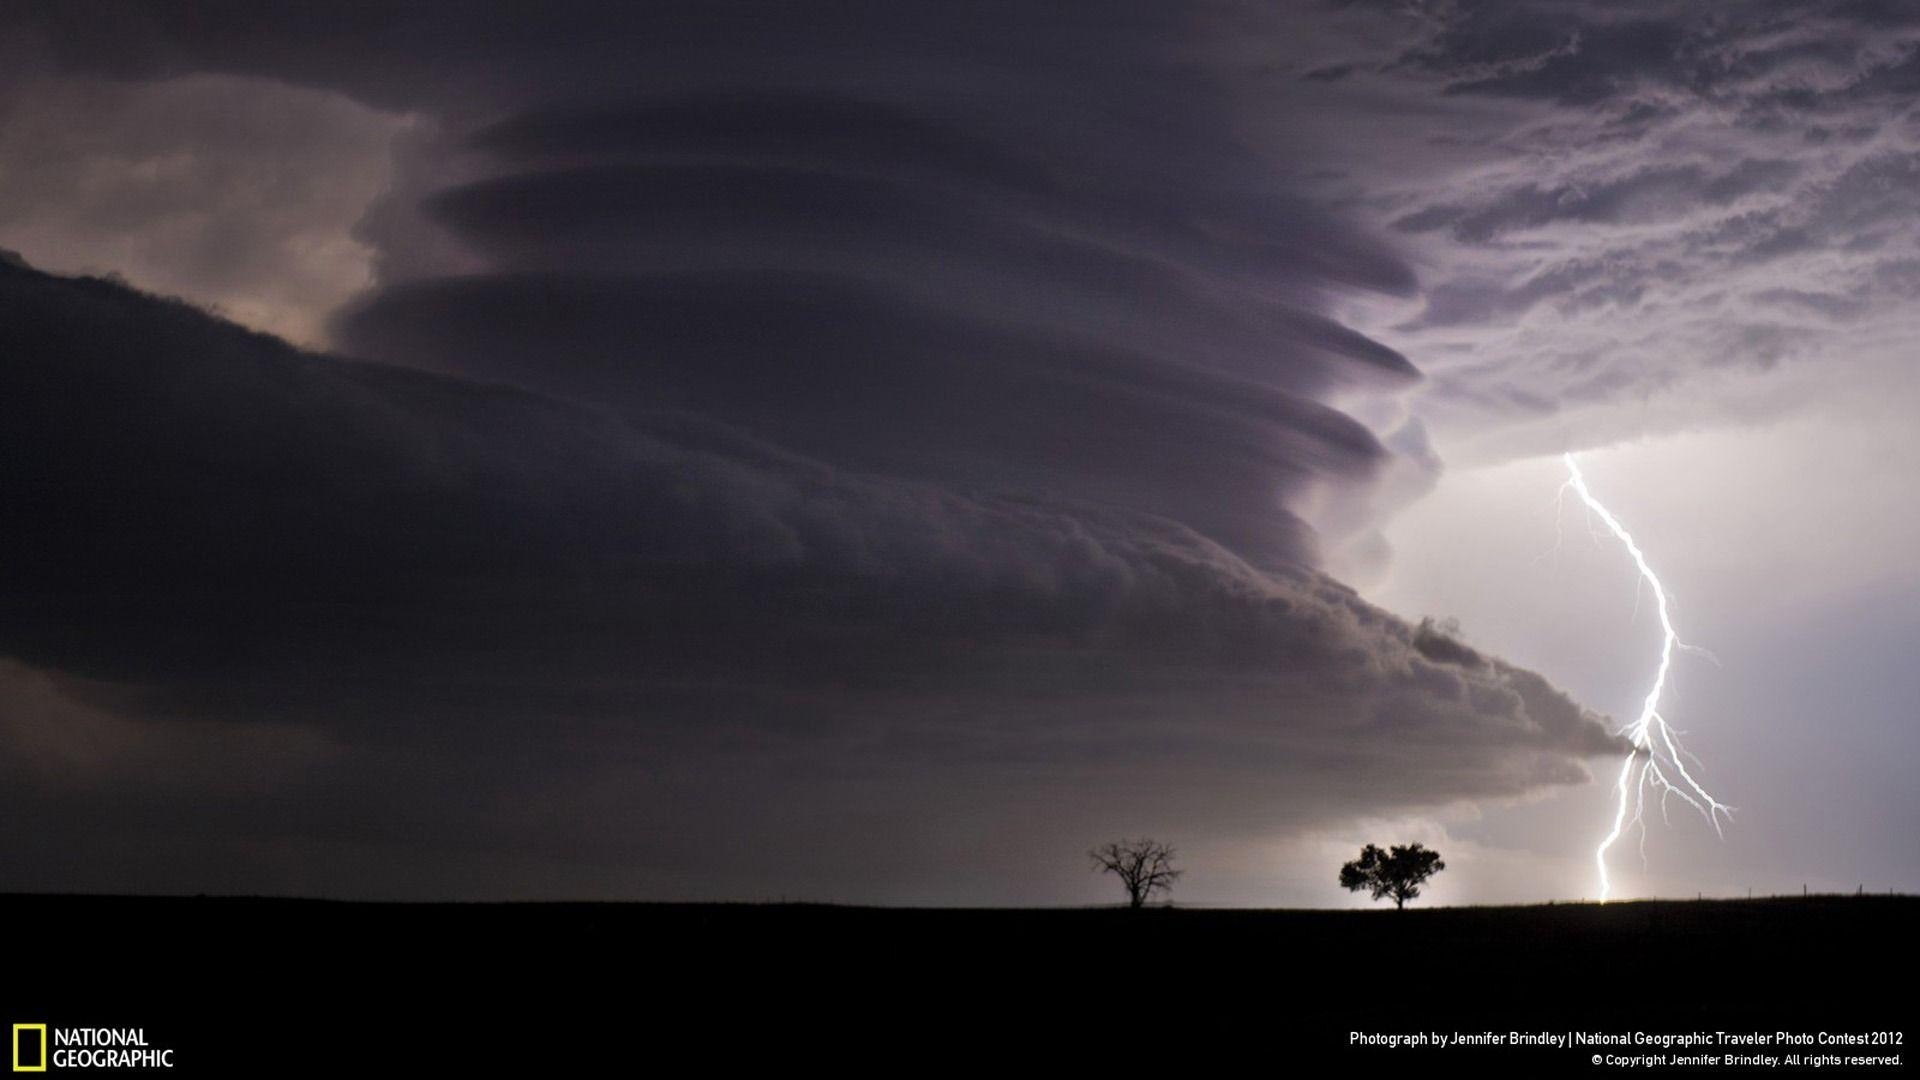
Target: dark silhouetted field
point(272, 987)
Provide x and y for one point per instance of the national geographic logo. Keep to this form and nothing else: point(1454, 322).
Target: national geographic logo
point(39, 1048)
point(34, 1058)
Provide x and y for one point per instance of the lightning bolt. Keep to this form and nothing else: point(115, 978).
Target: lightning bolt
point(1656, 749)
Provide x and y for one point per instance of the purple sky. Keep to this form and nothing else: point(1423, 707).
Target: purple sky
point(874, 451)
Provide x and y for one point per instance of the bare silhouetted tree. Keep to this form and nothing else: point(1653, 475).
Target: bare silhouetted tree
point(1396, 873)
point(1143, 866)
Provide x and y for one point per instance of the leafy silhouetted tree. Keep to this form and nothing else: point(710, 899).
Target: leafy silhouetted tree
point(1396, 873)
point(1143, 867)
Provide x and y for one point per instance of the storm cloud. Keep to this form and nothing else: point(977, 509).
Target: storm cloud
point(839, 448)
point(1628, 206)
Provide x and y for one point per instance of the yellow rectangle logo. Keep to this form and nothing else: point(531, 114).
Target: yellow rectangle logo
point(40, 1057)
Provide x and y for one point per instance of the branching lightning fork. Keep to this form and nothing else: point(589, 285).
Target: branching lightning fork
point(1656, 750)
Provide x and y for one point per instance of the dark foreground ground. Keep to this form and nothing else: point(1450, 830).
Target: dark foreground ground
point(283, 987)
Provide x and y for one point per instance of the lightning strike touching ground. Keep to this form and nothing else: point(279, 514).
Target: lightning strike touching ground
point(1654, 745)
